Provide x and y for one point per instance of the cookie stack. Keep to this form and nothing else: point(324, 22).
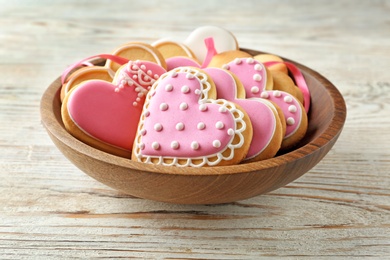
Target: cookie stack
point(201, 102)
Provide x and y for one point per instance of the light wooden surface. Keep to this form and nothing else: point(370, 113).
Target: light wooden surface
point(49, 209)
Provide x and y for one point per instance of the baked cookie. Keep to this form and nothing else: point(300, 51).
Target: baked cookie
point(181, 61)
point(105, 115)
point(170, 48)
point(223, 58)
point(267, 127)
point(137, 51)
point(294, 114)
point(223, 39)
point(279, 66)
point(84, 74)
point(182, 123)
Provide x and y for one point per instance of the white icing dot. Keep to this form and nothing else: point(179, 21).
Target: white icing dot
point(290, 121)
point(222, 109)
point(255, 89)
point(134, 67)
point(175, 145)
point(143, 132)
point(292, 109)
point(264, 94)
point(288, 99)
point(130, 83)
point(147, 113)
point(135, 77)
point(163, 106)
point(216, 143)
point(179, 126)
point(190, 76)
point(143, 67)
point(198, 92)
point(140, 95)
point(155, 145)
point(156, 76)
point(257, 77)
point(250, 60)
point(201, 126)
point(121, 86)
point(258, 67)
point(168, 87)
point(225, 66)
point(185, 89)
point(173, 74)
point(141, 146)
point(202, 107)
point(158, 127)
point(237, 61)
point(116, 90)
point(138, 99)
point(219, 125)
point(183, 106)
point(277, 93)
point(230, 132)
point(123, 82)
point(135, 104)
point(195, 145)
point(149, 72)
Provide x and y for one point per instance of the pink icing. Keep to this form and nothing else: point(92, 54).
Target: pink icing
point(251, 73)
point(180, 61)
point(261, 115)
point(289, 105)
point(179, 124)
point(110, 112)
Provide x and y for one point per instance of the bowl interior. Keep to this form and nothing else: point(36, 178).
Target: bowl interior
point(208, 184)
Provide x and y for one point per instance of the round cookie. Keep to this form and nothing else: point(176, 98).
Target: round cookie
point(137, 51)
point(223, 39)
point(105, 115)
point(267, 127)
point(284, 83)
point(294, 114)
point(280, 66)
point(84, 74)
point(170, 48)
point(184, 125)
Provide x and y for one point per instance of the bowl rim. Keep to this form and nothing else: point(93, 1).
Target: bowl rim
point(332, 131)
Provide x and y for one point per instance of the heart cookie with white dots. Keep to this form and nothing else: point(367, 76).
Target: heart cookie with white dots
point(184, 125)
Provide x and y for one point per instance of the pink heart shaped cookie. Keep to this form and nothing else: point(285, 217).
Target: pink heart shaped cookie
point(183, 125)
point(105, 115)
point(267, 126)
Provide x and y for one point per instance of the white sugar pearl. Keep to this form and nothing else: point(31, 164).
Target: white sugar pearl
point(155, 145)
point(158, 127)
point(190, 76)
point(250, 60)
point(222, 109)
point(277, 93)
point(258, 67)
point(292, 109)
point(173, 74)
point(290, 121)
point(257, 77)
point(216, 143)
point(183, 106)
point(195, 145)
point(185, 89)
point(163, 106)
point(179, 126)
point(225, 67)
point(230, 132)
point(168, 87)
point(219, 125)
point(264, 94)
point(237, 61)
point(255, 90)
point(288, 99)
point(202, 107)
point(201, 126)
point(175, 145)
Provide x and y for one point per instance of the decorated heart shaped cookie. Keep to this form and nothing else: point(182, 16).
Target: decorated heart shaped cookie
point(105, 115)
point(184, 125)
point(267, 126)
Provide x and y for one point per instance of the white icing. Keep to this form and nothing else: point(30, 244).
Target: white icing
point(158, 127)
point(175, 145)
point(183, 106)
point(250, 60)
point(222, 109)
point(195, 145)
point(225, 66)
point(264, 94)
point(292, 109)
point(230, 131)
point(257, 77)
point(258, 67)
point(201, 126)
point(277, 93)
point(219, 125)
point(255, 89)
point(169, 87)
point(288, 99)
point(185, 89)
point(163, 106)
point(203, 107)
point(179, 126)
point(216, 143)
point(290, 121)
point(155, 145)
point(237, 61)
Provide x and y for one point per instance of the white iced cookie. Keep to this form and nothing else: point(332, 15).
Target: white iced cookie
point(223, 41)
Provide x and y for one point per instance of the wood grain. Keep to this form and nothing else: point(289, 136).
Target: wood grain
point(50, 209)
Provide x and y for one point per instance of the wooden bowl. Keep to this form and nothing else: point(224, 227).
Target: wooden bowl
point(206, 185)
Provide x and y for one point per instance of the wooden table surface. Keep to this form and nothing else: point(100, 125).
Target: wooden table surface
point(49, 209)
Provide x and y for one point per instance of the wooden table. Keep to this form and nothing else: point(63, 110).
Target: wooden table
point(50, 209)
